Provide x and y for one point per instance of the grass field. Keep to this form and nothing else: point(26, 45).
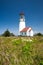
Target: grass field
point(21, 50)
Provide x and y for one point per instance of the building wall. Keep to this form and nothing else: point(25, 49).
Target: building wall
point(27, 33)
point(21, 25)
point(31, 33)
point(23, 33)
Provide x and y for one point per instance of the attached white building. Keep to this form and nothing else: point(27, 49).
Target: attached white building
point(26, 32)
point(23, 30)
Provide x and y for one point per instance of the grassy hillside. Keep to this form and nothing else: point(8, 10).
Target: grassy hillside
point(21, 51)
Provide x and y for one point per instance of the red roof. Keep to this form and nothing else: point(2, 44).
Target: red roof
point(25, 29)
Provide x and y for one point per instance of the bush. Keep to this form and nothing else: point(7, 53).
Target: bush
point(38, 34)
point(7, 33)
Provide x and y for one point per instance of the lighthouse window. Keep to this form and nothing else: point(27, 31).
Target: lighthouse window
point(21, 16)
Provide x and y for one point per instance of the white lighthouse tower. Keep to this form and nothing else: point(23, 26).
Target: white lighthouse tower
point(22, 22)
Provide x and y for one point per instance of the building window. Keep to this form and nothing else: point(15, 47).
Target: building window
point(22, 33)
point(25, 33)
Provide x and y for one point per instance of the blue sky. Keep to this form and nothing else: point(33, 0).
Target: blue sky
point(9, 14)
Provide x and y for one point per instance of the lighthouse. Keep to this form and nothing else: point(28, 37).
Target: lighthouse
point(23, 30)
point(21, 22)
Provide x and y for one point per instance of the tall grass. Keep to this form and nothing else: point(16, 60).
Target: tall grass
point(21, 51)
